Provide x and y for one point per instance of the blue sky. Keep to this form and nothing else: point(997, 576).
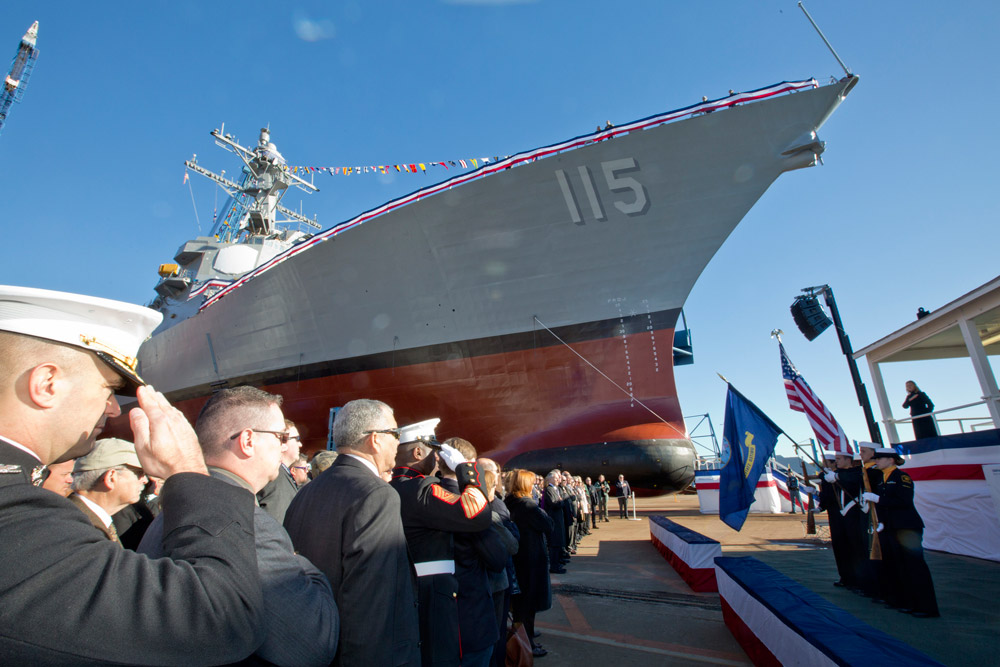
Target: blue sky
point(902, 215)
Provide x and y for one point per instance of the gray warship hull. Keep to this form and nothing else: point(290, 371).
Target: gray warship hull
point(532, 310)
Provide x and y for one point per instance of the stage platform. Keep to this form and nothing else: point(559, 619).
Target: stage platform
point(620, 600)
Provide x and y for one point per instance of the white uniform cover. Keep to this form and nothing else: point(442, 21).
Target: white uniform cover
point(951, 493)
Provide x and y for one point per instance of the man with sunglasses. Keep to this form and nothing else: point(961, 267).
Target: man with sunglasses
point(278, 494)
point(347, 521)
point(242, 433)
point(105, 481)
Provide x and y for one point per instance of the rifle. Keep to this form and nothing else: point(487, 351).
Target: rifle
point(810, 519)
point(876, 549)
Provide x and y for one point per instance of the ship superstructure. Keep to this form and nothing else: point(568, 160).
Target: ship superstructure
point(531, 305)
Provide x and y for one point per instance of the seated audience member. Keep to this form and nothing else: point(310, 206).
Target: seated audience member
point(530, 562)
point(105, 481)
point(60, 478)
point(241, 432)
point(68, 595)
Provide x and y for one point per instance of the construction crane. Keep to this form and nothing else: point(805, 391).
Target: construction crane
point(20, 70)
point(253, 204)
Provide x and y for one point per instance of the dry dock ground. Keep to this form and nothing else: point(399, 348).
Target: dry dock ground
point(620, 602)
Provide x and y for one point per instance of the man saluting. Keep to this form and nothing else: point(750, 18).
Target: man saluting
point(431, 514)
point(67, 594)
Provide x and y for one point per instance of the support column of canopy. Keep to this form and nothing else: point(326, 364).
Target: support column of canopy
point(981, 364)
point(875, 369)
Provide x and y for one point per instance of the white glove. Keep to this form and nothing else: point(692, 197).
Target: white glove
point(878, 529)
point(830, 476)
point(870, 497)
point(451, 456)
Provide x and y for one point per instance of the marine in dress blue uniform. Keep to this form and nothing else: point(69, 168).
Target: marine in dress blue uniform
point(431, 515)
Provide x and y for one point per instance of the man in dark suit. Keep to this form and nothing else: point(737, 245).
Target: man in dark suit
point(68, 595)
point(347, 521)
point(277, 495)
point(241, 431)
point(624, 491)
point(554, 507)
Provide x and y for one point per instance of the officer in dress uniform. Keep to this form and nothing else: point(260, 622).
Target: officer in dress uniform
point(431, 514)
point(829, 502)
point(849, 480)
point(909, 587)
point(67, 594)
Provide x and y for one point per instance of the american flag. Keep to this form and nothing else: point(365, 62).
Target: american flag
point(802, 399)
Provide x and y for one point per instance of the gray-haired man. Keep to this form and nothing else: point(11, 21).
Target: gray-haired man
point(347, 521)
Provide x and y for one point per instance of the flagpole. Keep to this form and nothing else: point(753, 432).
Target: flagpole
point(798, 447)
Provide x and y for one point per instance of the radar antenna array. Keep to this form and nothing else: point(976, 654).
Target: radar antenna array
point(253, 206)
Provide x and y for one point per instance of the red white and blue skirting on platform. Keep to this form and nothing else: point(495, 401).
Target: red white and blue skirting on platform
point(691, 554)
point(778, 621)
point(951, 493)
point(781, 484)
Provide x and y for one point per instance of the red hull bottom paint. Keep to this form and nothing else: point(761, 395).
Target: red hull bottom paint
point(538, 408)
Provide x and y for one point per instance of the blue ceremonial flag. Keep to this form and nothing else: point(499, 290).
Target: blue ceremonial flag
point(748, 440)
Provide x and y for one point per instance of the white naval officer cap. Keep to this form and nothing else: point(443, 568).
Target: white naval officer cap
point(829, 456)
point(867, 445)
point(112, 330)
point(419, 432)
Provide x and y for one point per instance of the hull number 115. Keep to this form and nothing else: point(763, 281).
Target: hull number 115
point(635, 204)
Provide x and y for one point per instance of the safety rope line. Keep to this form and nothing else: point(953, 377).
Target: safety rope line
point(606, 377)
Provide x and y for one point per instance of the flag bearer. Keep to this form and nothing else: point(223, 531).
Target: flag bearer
point(909, 587)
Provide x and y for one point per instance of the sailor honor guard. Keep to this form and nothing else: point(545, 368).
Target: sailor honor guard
point(906, 577)
point(431, 514)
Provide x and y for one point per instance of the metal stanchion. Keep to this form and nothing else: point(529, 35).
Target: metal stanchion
point(633, 517)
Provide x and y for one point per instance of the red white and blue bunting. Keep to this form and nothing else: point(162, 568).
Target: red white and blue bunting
point(404, 168)
point(512, 161)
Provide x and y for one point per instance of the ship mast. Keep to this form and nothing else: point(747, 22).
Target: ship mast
point(254, 205)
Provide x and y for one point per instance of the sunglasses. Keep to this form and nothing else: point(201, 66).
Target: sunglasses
point(394, 432)
point(282, 436)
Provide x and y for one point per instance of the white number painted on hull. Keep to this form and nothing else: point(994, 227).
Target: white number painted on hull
point(616, 183)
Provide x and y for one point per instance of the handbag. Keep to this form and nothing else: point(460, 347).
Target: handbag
point(519, 647)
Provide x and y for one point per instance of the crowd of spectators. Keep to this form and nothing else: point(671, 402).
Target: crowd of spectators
point(223, 542)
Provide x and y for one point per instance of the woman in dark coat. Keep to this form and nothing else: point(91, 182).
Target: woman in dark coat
point(531, 560)
point(919, 404)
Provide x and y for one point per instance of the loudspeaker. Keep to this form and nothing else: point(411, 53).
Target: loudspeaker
point(809, 317)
